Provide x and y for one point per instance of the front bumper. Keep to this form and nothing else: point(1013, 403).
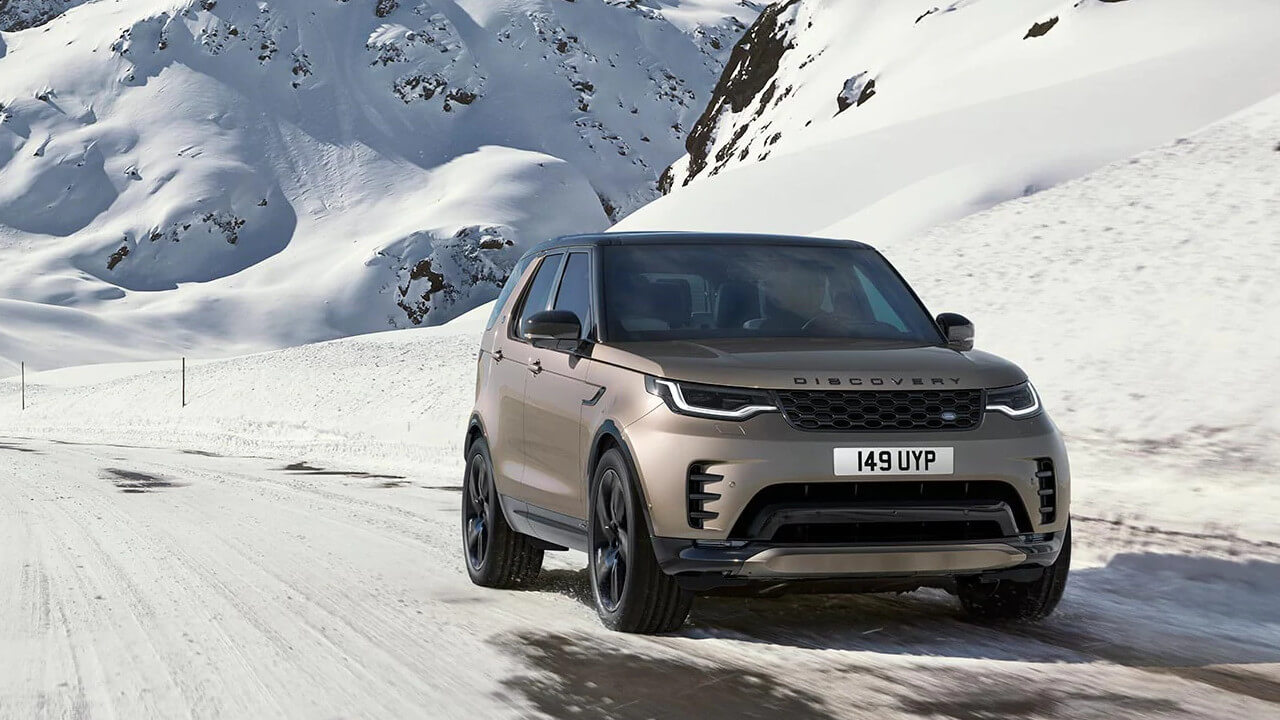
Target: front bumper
point(765, 450)
point(714, 565)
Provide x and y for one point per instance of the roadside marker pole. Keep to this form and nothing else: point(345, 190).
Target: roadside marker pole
point(184, 381)
point(24, 385)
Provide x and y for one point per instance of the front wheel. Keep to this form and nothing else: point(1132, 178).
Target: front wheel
point(632, 593)
point(1006, 600)
point(496, 555)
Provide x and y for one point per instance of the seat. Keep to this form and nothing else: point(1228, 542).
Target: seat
point(673, 300)
point(737, 303)
point(637, 308)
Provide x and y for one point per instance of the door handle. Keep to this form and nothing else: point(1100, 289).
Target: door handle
point(535, 366)
point(497, 355)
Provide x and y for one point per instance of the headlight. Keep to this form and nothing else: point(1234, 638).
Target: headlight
point(1017, 401)
point(710, 401)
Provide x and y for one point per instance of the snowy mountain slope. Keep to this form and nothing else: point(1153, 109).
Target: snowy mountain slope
point(221, 176)
point(1139, 298)
point(879, 120)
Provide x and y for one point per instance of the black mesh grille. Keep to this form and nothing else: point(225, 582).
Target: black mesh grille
point(887, 494)
point(881, 411)
point(887, 532)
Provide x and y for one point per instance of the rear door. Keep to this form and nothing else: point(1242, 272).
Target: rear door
point(554, 477)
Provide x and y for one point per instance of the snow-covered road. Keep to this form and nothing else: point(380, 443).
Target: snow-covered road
point(147, 582)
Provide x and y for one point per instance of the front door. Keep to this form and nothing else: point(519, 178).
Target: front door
point(511, 376)
point(554, 477)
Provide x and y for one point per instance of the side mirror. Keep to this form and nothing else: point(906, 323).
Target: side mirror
point(550, 327)
point(957, 329)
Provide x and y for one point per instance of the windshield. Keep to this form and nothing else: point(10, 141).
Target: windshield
point(692, 292)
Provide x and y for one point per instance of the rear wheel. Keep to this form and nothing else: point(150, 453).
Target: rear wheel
point(496, 555)
point(632, 593)
point(1006, 600)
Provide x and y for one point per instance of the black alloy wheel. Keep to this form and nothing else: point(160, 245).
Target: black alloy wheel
point(497, 556)
point(478, 506)
point(609, 560)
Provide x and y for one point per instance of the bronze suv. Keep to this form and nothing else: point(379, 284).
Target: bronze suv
point(711, 412)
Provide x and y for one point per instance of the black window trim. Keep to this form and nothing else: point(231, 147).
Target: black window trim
point(514, 320)
point(518, 273)
point(589, 321)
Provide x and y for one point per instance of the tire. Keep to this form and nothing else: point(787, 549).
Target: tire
point(632, 594)
point(496, 556)
point(1008, 601)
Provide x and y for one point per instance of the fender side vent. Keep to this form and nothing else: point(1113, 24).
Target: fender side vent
point(1048, 488)
point(699, 494)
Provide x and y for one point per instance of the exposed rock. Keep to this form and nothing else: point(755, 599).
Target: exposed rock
point(426, 61)
point(751, 67)
point(118, 255)
point(226, 222)
point(857, 90)
point(472, 263)
point(1039, 29)
point(18, 15)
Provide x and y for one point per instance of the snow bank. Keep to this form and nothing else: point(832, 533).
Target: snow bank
point(397, 401)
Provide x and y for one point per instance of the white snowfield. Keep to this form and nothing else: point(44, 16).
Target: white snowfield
point(967, 110)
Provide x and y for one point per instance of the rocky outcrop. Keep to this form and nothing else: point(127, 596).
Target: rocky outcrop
point(437, 274)
point(857, 90)
point(751, 67)
point(18, 15)
point(1041, 28)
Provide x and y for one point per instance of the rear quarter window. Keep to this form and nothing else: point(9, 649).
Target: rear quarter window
point(507, 287)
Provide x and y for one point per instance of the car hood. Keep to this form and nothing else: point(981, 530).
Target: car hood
point(812, 363)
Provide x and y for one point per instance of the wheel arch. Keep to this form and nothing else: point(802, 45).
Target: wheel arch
point(475, 429)
point(609, 435)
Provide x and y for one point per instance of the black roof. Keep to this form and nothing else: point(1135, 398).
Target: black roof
point(689, 238)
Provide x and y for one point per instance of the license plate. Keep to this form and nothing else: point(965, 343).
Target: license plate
point(895, 461)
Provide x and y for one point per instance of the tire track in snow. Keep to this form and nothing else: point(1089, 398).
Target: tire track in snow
point(273, 595)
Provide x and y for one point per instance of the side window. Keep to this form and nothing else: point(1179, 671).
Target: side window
point(512, 281)
point(575, 289)
point(539, 290)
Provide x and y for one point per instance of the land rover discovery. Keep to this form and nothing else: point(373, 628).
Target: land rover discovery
point(728, 413)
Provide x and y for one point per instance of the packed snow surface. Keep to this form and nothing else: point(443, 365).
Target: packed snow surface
point(287, 546)
point(150, 583)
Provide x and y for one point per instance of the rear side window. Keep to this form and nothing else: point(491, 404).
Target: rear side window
point(512, 281)
point(540, 289)
point(575, 289)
